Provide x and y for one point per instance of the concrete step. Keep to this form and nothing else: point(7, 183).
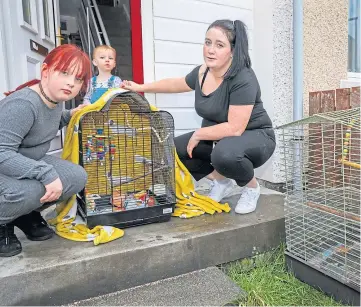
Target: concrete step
point(115, 31)
point(114, 18)
point(125, 60)
point(112, 13)
point(124, 42)
point(125, 72)
point(122, 50)
point(60, 271)
point(207, 287)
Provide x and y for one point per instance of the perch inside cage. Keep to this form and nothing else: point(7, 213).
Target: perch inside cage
point(128, 153)
point(321, 153)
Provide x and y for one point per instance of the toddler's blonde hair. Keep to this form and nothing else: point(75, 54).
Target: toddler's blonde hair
point(103, 47)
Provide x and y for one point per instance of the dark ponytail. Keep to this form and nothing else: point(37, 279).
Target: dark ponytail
point(237, 37)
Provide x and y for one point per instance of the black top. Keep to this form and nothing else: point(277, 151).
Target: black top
point(243, 89)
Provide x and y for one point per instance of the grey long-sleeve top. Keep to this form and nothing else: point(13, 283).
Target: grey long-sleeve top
point(27, 126)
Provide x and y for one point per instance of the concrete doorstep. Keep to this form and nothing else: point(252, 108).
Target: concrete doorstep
point(59, 271)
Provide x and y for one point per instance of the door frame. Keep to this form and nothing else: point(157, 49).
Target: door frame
point(136, 40)
point(4, 85)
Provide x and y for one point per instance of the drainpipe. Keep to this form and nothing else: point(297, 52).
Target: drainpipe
point(298, 94)
point(297, 59)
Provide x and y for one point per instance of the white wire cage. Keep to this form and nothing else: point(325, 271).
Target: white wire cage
point(321, 168)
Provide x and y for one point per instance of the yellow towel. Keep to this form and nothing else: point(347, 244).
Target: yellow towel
point(68, 224)
point(189, 203)
point(71, 226)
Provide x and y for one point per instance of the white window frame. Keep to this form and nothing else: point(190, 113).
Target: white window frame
point(33, 27)
point(353, 76)
point(50, 39)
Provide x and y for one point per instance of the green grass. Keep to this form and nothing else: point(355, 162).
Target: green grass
point(267, 282)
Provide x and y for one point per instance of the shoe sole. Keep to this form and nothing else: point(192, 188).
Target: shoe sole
point(246, 211)
point(14, 253)
point(43, 238)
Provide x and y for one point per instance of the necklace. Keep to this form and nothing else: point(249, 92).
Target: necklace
point(45, 96)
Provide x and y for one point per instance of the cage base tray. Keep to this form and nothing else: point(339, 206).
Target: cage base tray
point(128, 218)
point(317, 279)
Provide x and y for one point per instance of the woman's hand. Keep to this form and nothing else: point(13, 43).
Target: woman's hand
point(53, 191)
point(131, 86)
point(79, 107)
point(193, 142)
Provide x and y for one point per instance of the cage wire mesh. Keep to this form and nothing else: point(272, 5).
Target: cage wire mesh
point(321, 168)
point(128, 153)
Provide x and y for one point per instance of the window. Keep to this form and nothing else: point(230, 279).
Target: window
point(46, 18)
point(354, 36)
point(27, 15)
point(27, 11)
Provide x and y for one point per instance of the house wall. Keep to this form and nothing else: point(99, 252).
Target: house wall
point(19, 62)
point(22, 64)
point(273, 55)
point(173, 36)
point(325, 58)
point(325, 45)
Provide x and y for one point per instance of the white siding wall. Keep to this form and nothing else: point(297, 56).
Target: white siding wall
point(173, 35)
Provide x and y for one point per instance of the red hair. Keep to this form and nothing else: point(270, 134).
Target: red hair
point(63, 58)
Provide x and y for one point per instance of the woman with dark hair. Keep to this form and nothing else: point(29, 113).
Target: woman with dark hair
point(236, 134)
point(30, 118)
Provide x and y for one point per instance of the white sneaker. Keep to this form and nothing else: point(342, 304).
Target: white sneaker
point(248, 201)
point(219, 190)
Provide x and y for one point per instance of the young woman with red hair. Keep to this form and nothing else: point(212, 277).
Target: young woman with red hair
point(30, 118)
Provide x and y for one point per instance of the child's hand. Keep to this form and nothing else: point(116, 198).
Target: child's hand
point(131, 86)
point(79, 107)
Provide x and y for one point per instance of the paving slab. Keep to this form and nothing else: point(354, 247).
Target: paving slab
point(207, 287)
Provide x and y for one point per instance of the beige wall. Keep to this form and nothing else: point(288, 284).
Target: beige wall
point(325, 45)
point(272, 61)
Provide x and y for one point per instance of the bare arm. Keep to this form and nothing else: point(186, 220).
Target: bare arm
point(238, 118)
point(171, 85)
point(241, 102)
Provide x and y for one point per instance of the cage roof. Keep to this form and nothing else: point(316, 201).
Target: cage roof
point(343, 117)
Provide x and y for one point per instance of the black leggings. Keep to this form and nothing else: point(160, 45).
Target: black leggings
point(233, 157)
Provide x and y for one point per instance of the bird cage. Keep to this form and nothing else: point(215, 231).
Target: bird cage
point(321, 168)
point(128, 153)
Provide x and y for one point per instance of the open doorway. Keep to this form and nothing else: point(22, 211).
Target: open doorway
point(89, 23)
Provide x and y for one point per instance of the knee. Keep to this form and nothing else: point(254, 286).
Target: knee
point(81, 178)
point(181, 143)
point(179, 149)
point(77, 180)
point(224, 161)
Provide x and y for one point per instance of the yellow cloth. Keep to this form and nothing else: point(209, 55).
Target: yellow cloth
point(189, 203)
point(71, 226)
point(68, 224)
